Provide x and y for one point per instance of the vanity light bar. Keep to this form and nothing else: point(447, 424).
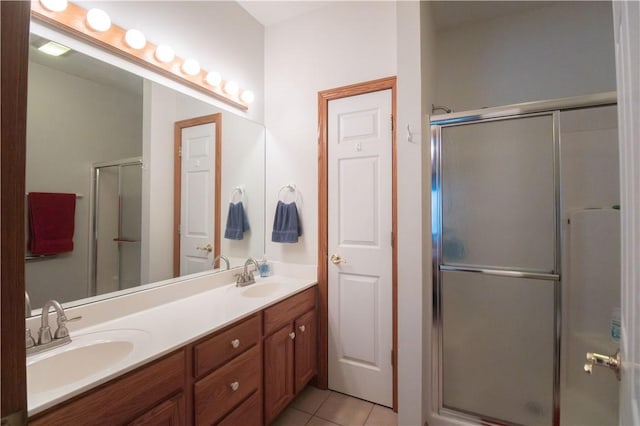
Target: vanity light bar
point(133, 46)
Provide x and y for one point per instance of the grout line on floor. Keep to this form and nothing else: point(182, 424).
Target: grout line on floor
point(323, 401)
point(369, 415)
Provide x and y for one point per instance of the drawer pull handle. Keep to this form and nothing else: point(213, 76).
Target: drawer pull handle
point(292, 335)
point(302, 328)
point(235, 386)
point(235, 343)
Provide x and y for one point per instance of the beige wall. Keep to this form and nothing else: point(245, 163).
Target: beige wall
point(553, 51)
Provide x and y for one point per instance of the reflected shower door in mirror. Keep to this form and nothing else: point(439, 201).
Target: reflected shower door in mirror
point(84, 113)
point(116, 216)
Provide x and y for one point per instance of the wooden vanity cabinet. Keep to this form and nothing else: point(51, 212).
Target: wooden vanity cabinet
point(228, 375)
point(153, 394)
point(242, 375)
point(289, 350)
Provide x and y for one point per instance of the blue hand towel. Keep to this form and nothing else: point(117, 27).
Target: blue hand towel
point(237, 222)
point(286, 226)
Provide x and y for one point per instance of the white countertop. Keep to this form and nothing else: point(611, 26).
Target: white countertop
point(161, 329)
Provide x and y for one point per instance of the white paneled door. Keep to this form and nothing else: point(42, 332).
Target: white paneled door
point(360, 246)
point(196, 204)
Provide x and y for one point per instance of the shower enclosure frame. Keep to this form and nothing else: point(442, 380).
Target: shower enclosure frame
point(93, 221)
point(438, 123)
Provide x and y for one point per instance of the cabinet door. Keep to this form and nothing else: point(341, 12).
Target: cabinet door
point(278, 371)
point(305, 349)
point(169, 413)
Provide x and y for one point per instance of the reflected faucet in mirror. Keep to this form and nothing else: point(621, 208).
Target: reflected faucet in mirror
point(221, 257)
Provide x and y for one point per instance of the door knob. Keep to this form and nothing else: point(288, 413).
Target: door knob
point(336, 259)
point(208, 248)
point(613, 362)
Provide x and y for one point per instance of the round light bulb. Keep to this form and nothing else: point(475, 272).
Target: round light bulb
point(231, 88)
point(247, 97)
point(191, 67)
point(214, 78)
point(98, 20)
point(135, 39)
point(54, 5)
point(165, 53)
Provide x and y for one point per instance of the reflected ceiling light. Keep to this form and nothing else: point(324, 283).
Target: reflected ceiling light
point(98, 20)
point(247, 96)
point(135, 39)
point(214, 78)
point(54, 5)
point(165, 53)
point(231, 88)
point(191, 67)
point(54, 49)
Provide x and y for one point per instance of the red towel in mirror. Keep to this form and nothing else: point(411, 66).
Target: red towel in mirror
point(51, 222)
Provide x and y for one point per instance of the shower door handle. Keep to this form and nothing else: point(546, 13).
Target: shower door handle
point(613, 362)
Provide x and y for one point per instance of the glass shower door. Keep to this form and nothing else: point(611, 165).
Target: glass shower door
point(117, 225)
point(496, 240)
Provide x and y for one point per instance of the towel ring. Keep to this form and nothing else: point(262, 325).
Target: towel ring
point(238, 189)
point(290, 187)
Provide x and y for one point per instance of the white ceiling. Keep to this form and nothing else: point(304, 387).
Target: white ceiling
point(86, 67)
point(272, 12)
point(447, 13)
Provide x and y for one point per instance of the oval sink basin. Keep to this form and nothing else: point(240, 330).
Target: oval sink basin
point(85, 356)
point(262, 290)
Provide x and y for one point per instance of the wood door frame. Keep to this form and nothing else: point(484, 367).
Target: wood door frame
point(14, 63)
point(177, 183)
point(323, 231)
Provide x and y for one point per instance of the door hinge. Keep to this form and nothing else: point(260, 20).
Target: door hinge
point(392, 357)
point(180, 151)
point(392, 122)
point(393, 242)
point(179, 229)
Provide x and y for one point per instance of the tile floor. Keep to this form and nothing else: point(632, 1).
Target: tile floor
point(315, 407)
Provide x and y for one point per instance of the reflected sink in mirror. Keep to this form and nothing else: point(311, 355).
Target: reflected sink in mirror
point(87, 355)
point(262, 290)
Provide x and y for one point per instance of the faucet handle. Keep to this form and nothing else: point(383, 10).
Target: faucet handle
point(28, 339)
point(62, 330)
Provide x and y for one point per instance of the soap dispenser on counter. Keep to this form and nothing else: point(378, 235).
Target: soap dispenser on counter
point(265, 268)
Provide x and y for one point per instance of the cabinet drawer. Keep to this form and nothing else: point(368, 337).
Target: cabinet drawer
point(214, 395)
point(215, 351)
point(278, 315)
point(249, 413)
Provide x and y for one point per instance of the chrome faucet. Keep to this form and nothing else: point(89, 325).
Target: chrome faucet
point(45, 339)
point(246, 277)
point(221, 257)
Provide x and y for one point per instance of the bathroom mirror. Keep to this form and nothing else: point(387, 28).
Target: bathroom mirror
point(107, 135)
